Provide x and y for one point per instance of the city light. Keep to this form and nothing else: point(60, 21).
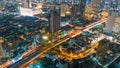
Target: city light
point(45, 37)
point(59, 33)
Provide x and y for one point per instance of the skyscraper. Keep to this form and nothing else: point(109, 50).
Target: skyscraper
point(54, 19)
point(110, 22)
point(82, 5)
point(63, 10)
point(27, 3)
point(25, 8)
point(113, 22)
point(78, 10)
point(73, 12)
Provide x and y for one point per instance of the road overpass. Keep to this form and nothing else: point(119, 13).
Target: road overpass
point(41, 50)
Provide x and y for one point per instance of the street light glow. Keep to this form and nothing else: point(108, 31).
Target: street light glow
point(45, 37)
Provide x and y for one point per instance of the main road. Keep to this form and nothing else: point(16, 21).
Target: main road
point(42, 49)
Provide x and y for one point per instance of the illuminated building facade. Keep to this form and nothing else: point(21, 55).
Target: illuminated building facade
point(54, 19)
point(26, 8)
point(113, 22)
point(26, 11)
point(78, 10)
point(27, 3)
point(110, 22)
point(63, 10)
point(73, 12)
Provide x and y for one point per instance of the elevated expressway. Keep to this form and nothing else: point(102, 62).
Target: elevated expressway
point(26, 59)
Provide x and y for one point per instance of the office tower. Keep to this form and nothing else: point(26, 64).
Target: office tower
point(110, 22)
point(78, 11)
point(116, 26)
point(27, 3)
point(68, 10)
point(2, 54)
point(113, 22)
point(73, 12)
point(82, 5)
point(54, 19)
point(63, 10)
point(25, 8)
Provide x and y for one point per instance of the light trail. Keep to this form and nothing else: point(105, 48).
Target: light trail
point(66, 38)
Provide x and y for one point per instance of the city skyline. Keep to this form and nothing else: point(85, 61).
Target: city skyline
point(59, 33)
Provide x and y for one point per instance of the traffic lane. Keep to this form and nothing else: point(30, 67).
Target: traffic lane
point(55, 43)
point(25, 59)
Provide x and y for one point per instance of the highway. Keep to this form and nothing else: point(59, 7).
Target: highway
point(41, 50)
point(70, 56)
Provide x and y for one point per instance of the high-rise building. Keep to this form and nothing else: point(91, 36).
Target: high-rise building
point(110, 22)
point(54, 19)
point(78, 10)
point(63, 10)
point(25, 8)
point(68, 10)
point(27, 4)
point(113, 22)
point(117, 24)
point(73, 12)
point(82, 5)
